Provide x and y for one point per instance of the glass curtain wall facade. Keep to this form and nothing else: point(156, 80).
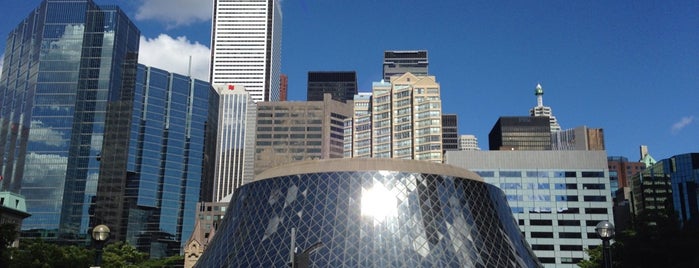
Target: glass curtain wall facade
point(63, 64)
point(398, 62)
point(152, 164)
point(246, 41)
point(341, 85)
point(235, 142)
point(557, 197)
point(450, 132)
point(520, 133)
point(368, 213)
point(684, 173)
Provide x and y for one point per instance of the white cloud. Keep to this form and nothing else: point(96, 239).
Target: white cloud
point(175, 12)
point(679, 125)
point(2, 59)
point(172, 55)
point(44, 134)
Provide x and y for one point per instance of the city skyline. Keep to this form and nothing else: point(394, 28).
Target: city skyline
point(616, 66)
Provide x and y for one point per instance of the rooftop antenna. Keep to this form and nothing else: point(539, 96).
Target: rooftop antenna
point(189, 67)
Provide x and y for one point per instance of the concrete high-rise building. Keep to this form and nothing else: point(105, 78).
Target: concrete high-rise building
point(246, 39)
point(342, 86)
point(520, 133)
point(541, 110)
point(450, 132)
point(360, 127)
point(557, 197)
point(235, 142)
point(283, 87)
point(621, 170)
point(468, 142)
point(63, 65)
point(407, 118)
point(579, 138)
point(293, 131)
point(398, 62)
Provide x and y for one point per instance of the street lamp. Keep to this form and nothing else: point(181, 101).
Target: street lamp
point(301, 260)
point(605, 230)
point(100, 234)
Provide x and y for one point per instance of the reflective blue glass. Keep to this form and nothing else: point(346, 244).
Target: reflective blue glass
point(369, 219)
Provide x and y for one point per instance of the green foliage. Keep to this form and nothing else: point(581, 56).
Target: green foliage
point(172, 261)
point(8, 234)
point(655, 241)
point(39, 254)
point(120, 254)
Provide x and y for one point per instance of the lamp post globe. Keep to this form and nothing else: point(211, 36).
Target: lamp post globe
point(605, 230)
point(100, 232)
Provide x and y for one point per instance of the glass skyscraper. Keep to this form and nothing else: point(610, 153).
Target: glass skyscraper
point(63, 64)
point(341, 85)
point(152, 160)
point(90, 137)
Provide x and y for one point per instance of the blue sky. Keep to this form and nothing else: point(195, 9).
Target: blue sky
point(630, 67)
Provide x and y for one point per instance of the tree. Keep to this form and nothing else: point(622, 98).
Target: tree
point(8, 234)
point(120, 254)
point(39, 254)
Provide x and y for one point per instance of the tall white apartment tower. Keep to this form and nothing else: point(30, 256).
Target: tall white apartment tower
point(407, 118)
point(541, 110)
point(235, 140)
point(246, 38)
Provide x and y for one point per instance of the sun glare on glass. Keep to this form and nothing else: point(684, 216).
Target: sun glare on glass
point(378, 203)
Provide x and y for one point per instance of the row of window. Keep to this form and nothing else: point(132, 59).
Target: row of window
point(560, 210)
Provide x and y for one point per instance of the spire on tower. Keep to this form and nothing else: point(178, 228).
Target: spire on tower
point(539, 92)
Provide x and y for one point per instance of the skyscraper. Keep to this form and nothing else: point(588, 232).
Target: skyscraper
point(360, 127)
point(63, 64)
point(151, 160)
point(450, 132)
point(246, 40)
point(541, 110)
point(407, 118)
point(468, 142)
point(398, 62)
point(341, 85)
point(292, 131)
point(520, 133)
point(283, 87)
point(235, 141)
point(557, 197)
point(579, 138)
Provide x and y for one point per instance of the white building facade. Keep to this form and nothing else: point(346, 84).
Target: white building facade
point(246, 46)
point(468, 143)
point(557, 197)
point(541, 110)
point(235, 140)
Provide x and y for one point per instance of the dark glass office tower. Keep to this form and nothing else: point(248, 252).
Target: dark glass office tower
point(152, 161)
point(341, 85)
point(450, 132)
point(63, 64)
point(531, 133)
point(398, 62)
